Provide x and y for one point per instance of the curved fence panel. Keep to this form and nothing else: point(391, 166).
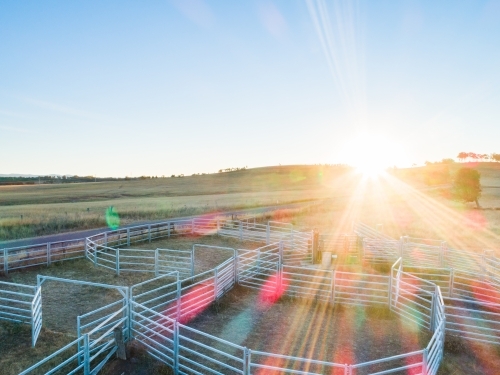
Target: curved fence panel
point(275, 364)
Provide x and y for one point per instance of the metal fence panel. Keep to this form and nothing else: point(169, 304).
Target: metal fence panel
point(270, 363)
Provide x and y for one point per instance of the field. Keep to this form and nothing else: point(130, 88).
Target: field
point(28, 211)
point(403, 206)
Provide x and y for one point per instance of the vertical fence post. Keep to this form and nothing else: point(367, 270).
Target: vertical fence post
point(215, 283)
point(452, 281)
point(157, 271)
point(95, 254)
point(78, 334)
point(5, 262)
point(48, 253)
point(247, 362)
point(268, 234)
point(149, 233)
point(168, 229)
point(117, 260)
point(280, 253)
point(192, 261)
point(178, 307)
point(241, 230)
point(424, 362)
point(315, 246)
point(433, 311)
point(106, 239)
point(86, 355)
point(128, 313)
point(332, 287)
point(86, 245)
point(176, 347)
point(390, 287)
point(235, 267)
point(128, 236)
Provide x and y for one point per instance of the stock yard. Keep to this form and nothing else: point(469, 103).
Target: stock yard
point(248, 304)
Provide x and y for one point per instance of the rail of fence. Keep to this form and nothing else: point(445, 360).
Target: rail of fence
point(22, 304)
point(156, 315)
point(68, 356)
point(47, 253)
point(410, 295)
point(158, 261)
point(364, 231)
point(16, 258)
point(345, 246)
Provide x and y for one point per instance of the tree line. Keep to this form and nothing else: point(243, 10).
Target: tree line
point(468, 156)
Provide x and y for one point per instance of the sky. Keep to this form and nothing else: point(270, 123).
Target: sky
point(128, 88)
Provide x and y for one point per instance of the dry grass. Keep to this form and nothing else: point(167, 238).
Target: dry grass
point(63, 302)
point(27, 211)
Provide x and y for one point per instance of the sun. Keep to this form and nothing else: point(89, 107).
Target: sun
point(371, 155)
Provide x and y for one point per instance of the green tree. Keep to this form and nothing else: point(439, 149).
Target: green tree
point(467, 185)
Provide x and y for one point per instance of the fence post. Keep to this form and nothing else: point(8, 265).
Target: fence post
point(315, 247)
point(215, 283)
point(86, 245)
point(5, 262)
point(86, 355)
point(241, 230)
point(332, 287)
point(452, 280)
point(117, 260)
point(176, 347)
point(433, 310)
point(106, 239)
point(192, 261)
point(95, 255)
point(247, 361)
point(235, 267)
point(168, 229)
point(280, 250)
point(424, 362)
point(48, 253)
point(178, 307)
point(78, 334)
point(128, 236)
point(149, 233)
point(390, 287)
point(156, 263)
point(278, 280)
point(268, 234)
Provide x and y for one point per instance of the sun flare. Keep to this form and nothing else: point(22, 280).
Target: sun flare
point(372, 155)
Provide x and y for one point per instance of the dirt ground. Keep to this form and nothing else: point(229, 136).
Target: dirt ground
point(62, 302)
point(287, 326)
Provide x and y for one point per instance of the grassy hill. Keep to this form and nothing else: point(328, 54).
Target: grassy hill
point(33, 210)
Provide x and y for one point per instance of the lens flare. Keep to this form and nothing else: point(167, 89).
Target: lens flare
point(112, 218)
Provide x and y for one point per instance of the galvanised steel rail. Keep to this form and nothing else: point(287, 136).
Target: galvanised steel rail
point(22, 304)
point(412, 296)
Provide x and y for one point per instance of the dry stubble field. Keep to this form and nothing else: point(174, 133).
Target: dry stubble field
point(398, 206)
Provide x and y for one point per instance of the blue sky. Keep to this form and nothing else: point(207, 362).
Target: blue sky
point(115, 88)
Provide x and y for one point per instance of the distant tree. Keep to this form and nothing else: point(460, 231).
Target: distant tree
point(495, 157)
point(467, 185)
point(447, 161)
point(462, 156)
point(473, 155)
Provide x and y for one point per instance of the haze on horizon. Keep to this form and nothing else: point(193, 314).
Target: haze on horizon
point(158, 88)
